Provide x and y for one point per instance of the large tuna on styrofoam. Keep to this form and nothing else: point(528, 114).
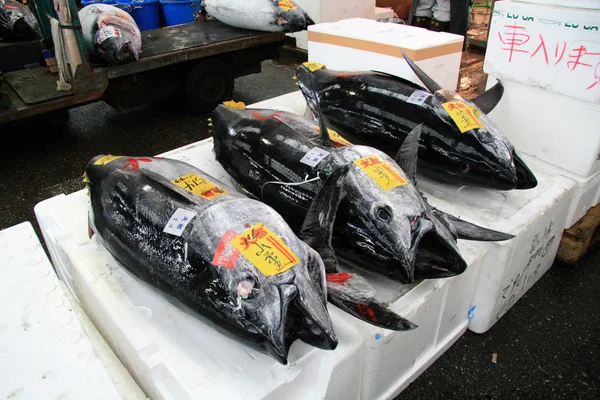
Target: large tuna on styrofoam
point(260, 15)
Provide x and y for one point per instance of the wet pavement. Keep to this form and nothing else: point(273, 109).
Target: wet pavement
point(547, 345)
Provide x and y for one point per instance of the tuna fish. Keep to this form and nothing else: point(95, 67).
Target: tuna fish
point(353, 203)
point(260, 15)
point(232, 259)
point(459, 144)
point(110, 33)
point(17, 22)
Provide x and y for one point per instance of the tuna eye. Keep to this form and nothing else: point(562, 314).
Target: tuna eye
point(245, 289)
point(464, 168)
point(383, 214)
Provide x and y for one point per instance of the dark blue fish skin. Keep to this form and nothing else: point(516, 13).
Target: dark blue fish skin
point(132, 200)
point(372, 109)
point(257, 147)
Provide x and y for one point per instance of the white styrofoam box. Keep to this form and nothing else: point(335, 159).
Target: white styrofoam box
point(554, 48)
point(172, 353)
point(384, 12)
point(359, 44)
point(585, 195)
point(330, 11)
point(593, 4)
point(535, 216)
point(44, 350)
point(560, 130)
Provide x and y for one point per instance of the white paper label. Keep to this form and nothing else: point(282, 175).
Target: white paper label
point(178, 221)
point(106, 32)
point(418, 97)
point(314, 156)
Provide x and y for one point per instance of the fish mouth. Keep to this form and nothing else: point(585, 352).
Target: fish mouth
point(436, 258)
point(277, 345)
point(525, 178)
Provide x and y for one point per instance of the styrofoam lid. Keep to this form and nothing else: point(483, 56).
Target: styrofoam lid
point(592, 4)
point(405, 36)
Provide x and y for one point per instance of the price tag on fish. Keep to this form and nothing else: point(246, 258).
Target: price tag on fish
point(465, 117)
point(106, 159)
point(106, 32)
point(178, 221)
point(335, 137)
point(314, 156)
point(287, 5)
point(199, 186)
point(381, 172)
point(418, 97)
point(265, 250)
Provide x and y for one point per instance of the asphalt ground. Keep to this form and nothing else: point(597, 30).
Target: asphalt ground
point(547, 346)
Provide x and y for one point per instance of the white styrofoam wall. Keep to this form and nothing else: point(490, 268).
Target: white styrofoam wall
point(537, 45)
point(560, 130)
point(444, 69)
point(172, 353)
point(592, 4)
point(44, 350)
point(331, 11)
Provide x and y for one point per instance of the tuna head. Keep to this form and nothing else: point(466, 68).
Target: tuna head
point(382, 220)
point(471, 149)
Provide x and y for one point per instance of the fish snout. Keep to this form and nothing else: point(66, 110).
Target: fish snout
point(525, 177)
point(272, 320)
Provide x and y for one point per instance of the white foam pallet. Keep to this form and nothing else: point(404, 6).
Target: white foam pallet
point(585, 195)
point(44, 350)
point(174, 354)
point(360, 44)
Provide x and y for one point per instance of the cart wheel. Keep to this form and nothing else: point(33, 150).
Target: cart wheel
point(207, 85)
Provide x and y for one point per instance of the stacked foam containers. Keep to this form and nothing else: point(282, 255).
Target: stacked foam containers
point(548, 58)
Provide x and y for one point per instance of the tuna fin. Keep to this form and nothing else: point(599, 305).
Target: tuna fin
point(309, 21)
point(429, 83)
point(325, 139)
point(352, 299)
point(468, 231)
point(318, 224)
point(407, 155)
point(487, 100)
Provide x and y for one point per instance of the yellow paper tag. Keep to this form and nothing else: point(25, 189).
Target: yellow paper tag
point(313, 66)
point(287, 4)
point(199, 186)
point(106, 159)
point(265, 250)
point(234, 104)
point(465, 117)
point(335, 137)
point(381, 172)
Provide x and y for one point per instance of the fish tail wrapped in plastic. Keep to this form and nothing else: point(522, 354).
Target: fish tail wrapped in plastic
point(230, 258)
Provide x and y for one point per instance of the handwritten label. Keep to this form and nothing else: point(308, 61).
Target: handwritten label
point(265, 250)
point(540, 246)
point(240, 105)
point(465, 117)
point(226, 254)
point(336, 138)
point(381, 172)
point(178, 221)
point(199, 186)
point(418, 97)
point(107, 32)
point(287, 4)
point(313, 66)
point(314, 156)
point(106, 159)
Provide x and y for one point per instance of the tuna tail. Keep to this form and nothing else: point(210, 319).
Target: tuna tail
point(490, 98)
point(344, 291)
point(407, 155)
point(467, 230)
point(429, 83)
point(525, 178)
point(318, 224)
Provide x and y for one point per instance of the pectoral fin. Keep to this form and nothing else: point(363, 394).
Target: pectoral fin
point(407, 155)
point(490, 98)
point(468, 231)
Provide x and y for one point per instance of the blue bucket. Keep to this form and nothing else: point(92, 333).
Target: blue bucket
point(88, 2)
point(144, 12)
point(179, 12)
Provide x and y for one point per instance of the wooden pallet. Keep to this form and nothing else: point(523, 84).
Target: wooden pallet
point(578, 239)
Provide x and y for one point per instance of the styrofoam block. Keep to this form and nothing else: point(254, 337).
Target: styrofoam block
point(360, 44)
point(536, 217)
point(593, 4)
point(550, 126)
point(44, 350)
point(384, 12)
point(554, 48)
point(331, 11)
point(585, 195)
point(172, 352)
